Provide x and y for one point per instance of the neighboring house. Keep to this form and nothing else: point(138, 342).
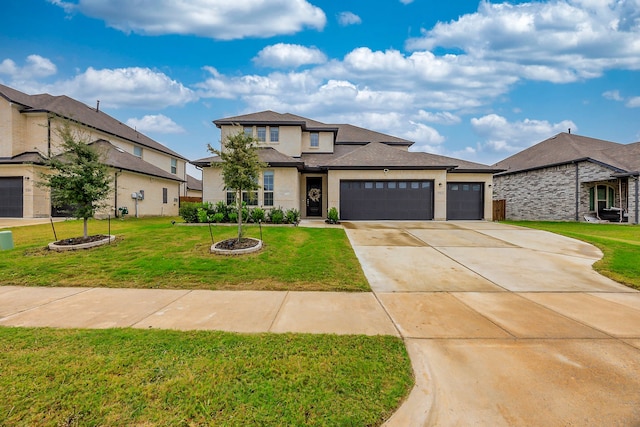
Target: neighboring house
point(366, 175)
point(571, 178)
point(194, 187)
point(28, 134)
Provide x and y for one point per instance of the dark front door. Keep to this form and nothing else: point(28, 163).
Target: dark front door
point(314, 196)
point(11, 197)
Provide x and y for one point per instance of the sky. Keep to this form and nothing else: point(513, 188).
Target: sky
point(475, 80)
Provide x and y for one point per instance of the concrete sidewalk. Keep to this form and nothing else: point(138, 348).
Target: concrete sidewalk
point(241, 311)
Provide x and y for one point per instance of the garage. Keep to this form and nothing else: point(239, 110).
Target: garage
point(11, 197)
point(465, 200)
point(380, 200)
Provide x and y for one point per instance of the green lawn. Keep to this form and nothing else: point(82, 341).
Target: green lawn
point(123, 377)
point(153, 253)
point(619, 243)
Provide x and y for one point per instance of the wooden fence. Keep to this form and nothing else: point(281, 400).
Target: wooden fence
point(185, 199)
point(499, 210)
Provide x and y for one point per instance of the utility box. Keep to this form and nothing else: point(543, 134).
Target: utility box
point(6, 240)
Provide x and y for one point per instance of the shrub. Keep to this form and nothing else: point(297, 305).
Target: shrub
point(292, 216)
point(233, 216)
point(276, 216)
point(222, 208)
point(245, 213)
point(332, 216)
point(218, 217)
point(257, 215)
point(189, 211)
point(202, 215)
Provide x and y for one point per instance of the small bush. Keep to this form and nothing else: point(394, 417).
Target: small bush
point(233, 216)
point(218, 217)
point(276, 216)
point(257, 215)
point(189, 211)
point(222, 208)
point(332, 216)
point(202, 215)
point(292, 216)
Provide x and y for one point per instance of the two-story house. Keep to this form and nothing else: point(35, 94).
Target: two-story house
point(148, 178)
point(366, 175)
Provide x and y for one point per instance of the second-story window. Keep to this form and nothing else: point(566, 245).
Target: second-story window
point(262, 133)
point(248, 131)
point(174, 166)
point(274, 134)
point(137, 151)
point(315, 139)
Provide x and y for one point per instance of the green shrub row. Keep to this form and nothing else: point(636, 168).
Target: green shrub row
point(223, 213)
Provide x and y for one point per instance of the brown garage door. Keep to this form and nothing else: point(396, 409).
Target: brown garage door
point(11, 197)
point(465, 200)
point(378, 200)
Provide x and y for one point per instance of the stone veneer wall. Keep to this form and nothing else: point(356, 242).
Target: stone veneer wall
point(549, 193)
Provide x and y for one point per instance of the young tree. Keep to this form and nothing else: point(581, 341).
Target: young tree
point(78, 178)
point(240, 167)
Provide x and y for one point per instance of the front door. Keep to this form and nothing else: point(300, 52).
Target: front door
point(314, 196)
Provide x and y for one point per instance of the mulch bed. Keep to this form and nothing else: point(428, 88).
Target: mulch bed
point(81, 240)
point(234, 244)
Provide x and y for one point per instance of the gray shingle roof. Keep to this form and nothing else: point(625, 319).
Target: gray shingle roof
point(70, 108)
point(265, 154)
point(28, 157)
point(193, 183)
point(345, 133)
point(119, 159)
point(566, 148)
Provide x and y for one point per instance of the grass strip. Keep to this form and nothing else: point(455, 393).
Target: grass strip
point(53, 377)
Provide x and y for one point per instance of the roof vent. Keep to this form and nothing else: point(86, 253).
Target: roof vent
point(98, 106)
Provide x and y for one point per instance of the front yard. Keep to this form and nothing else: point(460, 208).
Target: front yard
point(153, 253)
point(53, 377)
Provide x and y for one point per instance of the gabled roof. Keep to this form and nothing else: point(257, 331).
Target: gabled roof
point(193, 183)
point(566, 148)
point(267, 155)
point(117, 158)
point(27, 157)
point(345, 133)
point(376, 155)
point(69, 108)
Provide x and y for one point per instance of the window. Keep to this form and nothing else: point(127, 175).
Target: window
point(267, 188)
point(379, 185)
point(602, 196)
point(165, 195)
point(231, 197)
point(274, 134)
point(262, 133)
point(315, 139)
point(174, 166)
point(137, 151)
point(248, 131)
point(249, 197)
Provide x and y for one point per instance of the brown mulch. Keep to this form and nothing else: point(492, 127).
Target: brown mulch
point(81, 240)
point(234, 244)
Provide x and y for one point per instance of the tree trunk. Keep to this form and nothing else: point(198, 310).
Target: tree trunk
point(239, 208)
point(85, 227)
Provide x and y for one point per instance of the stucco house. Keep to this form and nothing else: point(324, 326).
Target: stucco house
point(366, 175)
point(28, 134)
point(571, 178)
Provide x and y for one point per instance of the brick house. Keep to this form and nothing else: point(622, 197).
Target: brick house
point(571, 178)
point(366, 175)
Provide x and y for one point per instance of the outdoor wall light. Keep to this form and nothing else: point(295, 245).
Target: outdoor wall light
point(439, 184)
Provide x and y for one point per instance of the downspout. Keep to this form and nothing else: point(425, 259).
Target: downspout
point(636, 179)
point(115, 183)
point(48, 136)
point(577, 193)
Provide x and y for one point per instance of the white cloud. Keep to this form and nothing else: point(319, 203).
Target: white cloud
point(218, 19)
point(560, 41)
point(126, 87)
point(35, 67)
point(442, 118)
point(348, 18)
point(155, 124)
point(501, 136)
point(613, 95)
point(284, 55)
point(633, 102)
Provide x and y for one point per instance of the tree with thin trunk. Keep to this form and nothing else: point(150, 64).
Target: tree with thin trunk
point(78, 179)
point(240, 166)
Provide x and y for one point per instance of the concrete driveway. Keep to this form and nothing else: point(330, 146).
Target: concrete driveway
point(505, 326)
